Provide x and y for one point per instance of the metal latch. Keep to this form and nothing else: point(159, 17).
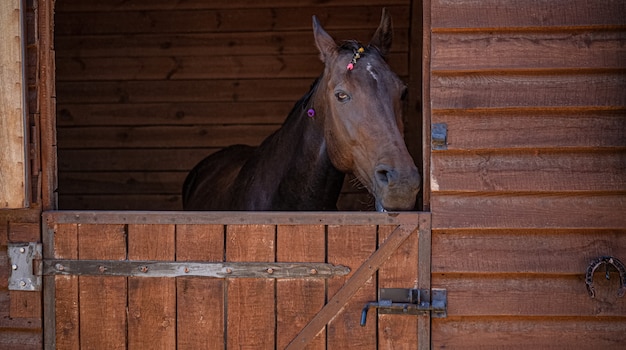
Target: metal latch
point(403, 301)
point(26, 263)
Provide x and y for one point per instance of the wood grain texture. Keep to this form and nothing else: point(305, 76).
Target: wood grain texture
point(200, 301)
point(518, 295)
point(527, 333)
point(520, 251)
point(250, 321)
point(532, 128)
point(298, 300)
point(103, 320)
point(519, 49)
point(13, 158)
point(151, 301)
point(351, 246)
point(533, 210)
point(400, 271)
point(512, 13)
point(66, 300)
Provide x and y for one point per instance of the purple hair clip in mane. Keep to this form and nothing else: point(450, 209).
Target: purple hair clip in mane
point(355, 57)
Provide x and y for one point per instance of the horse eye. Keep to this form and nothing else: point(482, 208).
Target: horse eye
point(342, 96)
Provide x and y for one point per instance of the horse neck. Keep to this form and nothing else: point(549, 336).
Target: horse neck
point(307, 175)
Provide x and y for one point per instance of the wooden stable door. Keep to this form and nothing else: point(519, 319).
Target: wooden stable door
point(120, 280)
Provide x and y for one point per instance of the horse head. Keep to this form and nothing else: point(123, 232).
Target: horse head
point(362, 120)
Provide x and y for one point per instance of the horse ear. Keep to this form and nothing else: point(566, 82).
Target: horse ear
point(384, 34)
point(324, 42)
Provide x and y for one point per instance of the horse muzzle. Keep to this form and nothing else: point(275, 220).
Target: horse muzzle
point(396, 190)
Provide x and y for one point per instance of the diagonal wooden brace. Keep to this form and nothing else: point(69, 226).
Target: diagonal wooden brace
point(354, 283)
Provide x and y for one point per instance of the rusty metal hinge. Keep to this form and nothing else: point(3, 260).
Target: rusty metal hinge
point(401, 301)
point(26, 263)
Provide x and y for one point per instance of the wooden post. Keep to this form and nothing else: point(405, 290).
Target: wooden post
point(13, 165)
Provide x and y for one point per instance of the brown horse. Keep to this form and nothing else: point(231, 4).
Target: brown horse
point(349, 122)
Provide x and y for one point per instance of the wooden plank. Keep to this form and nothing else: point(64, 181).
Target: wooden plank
point(210, 19)
point(552, 88)
point(121, 202)
point(528, 50)
point(200, 301)
point(209, 44)
point(533, 210)
point(528, 170)
point(122, 183)
point(174, 113)
point(94, 160)
point(529, 295)
point(67, 321)
point(350, 246)
point(13, 158)
point(102, 300)
point(163, 136)
point(508, 251)
point(151, 301)
point(528, 333)
point(299, 300)
point(251, 321)
point(216, 90)
point(134, 5)
point(534, 128)
point(201, 67)
point(400, 271)
point(512, 13)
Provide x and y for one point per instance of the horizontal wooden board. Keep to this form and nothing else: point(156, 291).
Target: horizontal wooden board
point(242, 19)
point(528, 89)
point(138, 5)
point(526, 13)
point(201, 44)
point(528, 49)
point(529, 295)
point(129, 160)
point(506, 251)
point(162, 136)
point(210, 90)
point(353, 202)
point(528, 333)
point(528, 170)
point(173, 113)
point(533, 128)
point(529, 210)
point(200, 67)
point(122, 183)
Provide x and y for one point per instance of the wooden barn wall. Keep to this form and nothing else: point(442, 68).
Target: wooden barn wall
point(532, 185)
point(21, 312)
point(147, 89)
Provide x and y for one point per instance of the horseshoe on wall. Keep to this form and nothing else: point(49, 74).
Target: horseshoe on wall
point(607, 260)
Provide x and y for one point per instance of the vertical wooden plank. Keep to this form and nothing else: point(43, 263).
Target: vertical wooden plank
point(200, 301)
point(151, 301)
point(400, 271)
point(66, 297)
point(102, 300)
point(12, 108)
point(250, 320)
point(351, 246)
point(299, 300)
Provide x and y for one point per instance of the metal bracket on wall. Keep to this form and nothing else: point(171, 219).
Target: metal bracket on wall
point(439, 136)
point(26, 264)
point(400, 301)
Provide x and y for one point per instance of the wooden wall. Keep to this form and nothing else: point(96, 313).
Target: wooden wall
point(147, 89)
point(532, 185)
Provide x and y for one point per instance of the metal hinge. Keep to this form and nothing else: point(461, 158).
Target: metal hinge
point(26, 263)
point(401, 301)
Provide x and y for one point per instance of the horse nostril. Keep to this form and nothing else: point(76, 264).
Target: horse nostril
point(384, 175)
